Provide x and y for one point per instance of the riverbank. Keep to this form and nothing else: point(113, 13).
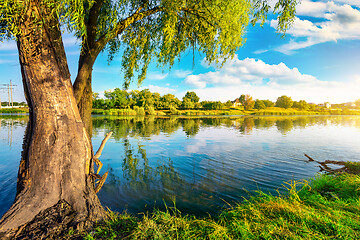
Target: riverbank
point(326, 207)
point(232, 111)
point(14, 110)
point(273, 111)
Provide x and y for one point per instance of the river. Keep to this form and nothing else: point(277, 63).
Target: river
point(200, 164)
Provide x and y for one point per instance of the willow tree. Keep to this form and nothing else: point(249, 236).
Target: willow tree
point(55, 174)
point(161, 30)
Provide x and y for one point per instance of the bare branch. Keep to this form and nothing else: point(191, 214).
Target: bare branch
point(102, 145)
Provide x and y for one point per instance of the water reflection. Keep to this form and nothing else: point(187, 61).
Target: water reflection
point(206, 163)
point(12, 129)
point(202, 162)
point(9, 124)
point(148, 126)
point(142, 184)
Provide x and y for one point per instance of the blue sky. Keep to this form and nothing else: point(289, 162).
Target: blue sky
point(318, 61)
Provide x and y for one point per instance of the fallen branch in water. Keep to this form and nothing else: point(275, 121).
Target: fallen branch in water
point(348, 167)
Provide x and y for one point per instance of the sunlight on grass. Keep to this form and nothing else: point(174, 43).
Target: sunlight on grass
point(326, 207)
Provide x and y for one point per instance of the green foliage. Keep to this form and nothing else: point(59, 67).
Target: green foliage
point(153, 102)
point(149, 110)
point(174, 111)
point(170, 101)
point(354, 167)
point(192, 97)
point(242, 99)
point(157, 30)
point(212, 105)
point(118, 98)
point(268, 103)
point(357, 103)
point(327, 207)
point(14, 110)
point(302, 105)
point(139, 110)
point(187, 103)
point(284, 102)
point(228, 104)
point(259, 104)
point(248, 102)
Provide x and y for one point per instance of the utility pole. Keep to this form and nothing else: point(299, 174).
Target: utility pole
point(12, 103)
point(9, 88)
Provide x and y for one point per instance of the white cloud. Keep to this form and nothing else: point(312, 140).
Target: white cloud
point(70, 41)
point(250, 71)
point(350, 2)
point(309, 8)
point(334, 22)
point(269, 81)
point(156, 76)
point(182, 73)
point(333, 92)
point(161, 90)
point(8, 46)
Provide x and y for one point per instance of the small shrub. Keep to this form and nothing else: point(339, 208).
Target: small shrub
point(139, 110)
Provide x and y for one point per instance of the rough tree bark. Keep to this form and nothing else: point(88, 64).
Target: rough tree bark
point(82, 85)
point(85, 106)
point(55, 169)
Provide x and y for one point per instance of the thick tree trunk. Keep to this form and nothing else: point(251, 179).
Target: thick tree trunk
point(54, 172)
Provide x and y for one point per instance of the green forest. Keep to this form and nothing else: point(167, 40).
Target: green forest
point(145, 102)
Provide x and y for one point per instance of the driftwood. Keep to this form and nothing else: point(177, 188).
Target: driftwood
point(324, 165)
point(99, 165)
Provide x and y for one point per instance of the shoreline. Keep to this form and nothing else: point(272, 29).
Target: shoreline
point(326, 206)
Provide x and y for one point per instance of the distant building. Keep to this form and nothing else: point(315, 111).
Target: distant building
point(350, 104)
point(325, 105)
point(236, 103)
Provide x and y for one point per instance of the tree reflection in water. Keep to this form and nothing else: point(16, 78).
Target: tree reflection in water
point(197, 171)
point(204, 185)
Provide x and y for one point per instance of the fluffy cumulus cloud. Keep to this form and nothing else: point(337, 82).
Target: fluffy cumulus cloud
point(156, 76)
point(334, 21)
point(350, 2)
point(181, 73)
point(250, 71)
point(269, 81)
point(161, 90)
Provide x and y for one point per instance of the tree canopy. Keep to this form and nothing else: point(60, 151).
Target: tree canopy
point(284, 102)
point(155, 29)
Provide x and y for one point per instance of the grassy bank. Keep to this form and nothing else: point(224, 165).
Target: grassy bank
point(14, 110)
point(326, 207)
point(273, 111)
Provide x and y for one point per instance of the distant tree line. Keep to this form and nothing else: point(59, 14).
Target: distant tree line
point(122, 99)
point(21, 104)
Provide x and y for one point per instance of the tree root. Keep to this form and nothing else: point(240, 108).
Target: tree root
point(324, 166)
point(57, 222)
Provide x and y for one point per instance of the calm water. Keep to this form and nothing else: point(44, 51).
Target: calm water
point(201, 163)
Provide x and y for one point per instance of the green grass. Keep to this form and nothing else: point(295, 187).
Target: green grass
point(284, 112)
point(14, 110)
point(271, 111)
point(326, 207)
